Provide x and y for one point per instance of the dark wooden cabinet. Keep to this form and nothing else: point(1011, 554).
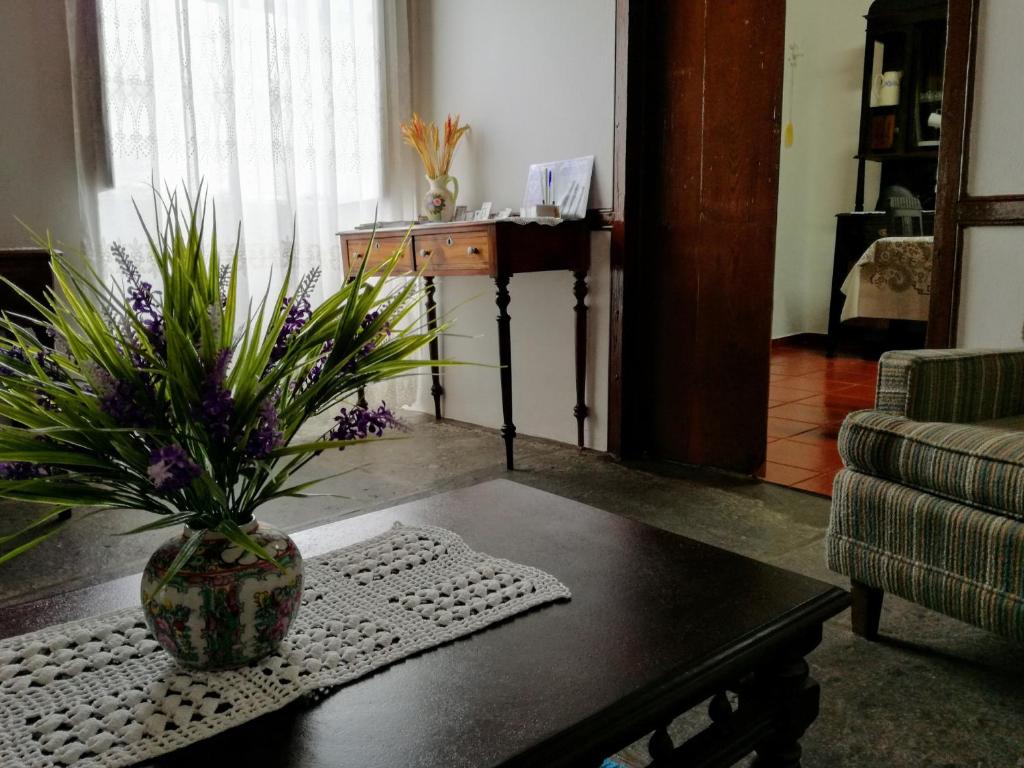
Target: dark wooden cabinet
point(29, 269)
point(905, 41)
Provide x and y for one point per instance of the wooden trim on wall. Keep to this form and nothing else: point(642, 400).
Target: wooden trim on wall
point(954, 157)
point(626, 156)
point(957, 209)
point(993, 210)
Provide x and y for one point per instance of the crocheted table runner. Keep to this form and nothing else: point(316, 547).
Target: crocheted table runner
point(101, 692)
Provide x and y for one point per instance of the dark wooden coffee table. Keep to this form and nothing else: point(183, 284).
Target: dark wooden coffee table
point(657, 624)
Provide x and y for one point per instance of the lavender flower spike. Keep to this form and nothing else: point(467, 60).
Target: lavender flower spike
point(216, 402)
point(360, 423)
point(266, 436)
point(298, 315)
point(20, 470)
point(171, 469)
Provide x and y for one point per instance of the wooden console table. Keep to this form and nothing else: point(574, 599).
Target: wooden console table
point(497, 249)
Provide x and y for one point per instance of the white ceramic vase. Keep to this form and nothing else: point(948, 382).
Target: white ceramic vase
point(439, 202)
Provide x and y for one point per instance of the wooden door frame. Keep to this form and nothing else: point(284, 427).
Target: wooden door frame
point(956, 208)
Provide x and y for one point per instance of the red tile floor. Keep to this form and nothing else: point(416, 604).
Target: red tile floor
point(809, 396)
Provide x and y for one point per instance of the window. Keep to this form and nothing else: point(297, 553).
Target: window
point(276, 105)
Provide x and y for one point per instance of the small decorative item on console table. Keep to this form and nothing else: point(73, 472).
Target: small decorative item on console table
point(498, 248)
point(439, 202)
point(165, 397)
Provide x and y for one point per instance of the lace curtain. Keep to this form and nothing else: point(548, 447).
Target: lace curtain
point(287, 112)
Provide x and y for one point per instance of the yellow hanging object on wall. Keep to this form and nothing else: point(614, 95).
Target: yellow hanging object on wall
point(793, 58)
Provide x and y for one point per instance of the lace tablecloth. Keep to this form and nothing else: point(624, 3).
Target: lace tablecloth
point(101, 692)
point(892, 280)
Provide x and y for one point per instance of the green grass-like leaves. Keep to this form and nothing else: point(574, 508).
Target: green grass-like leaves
point(65, 442)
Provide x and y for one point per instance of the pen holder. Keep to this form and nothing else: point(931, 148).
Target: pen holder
point(541, 212)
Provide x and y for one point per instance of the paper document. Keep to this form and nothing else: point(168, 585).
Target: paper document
point(569, 187)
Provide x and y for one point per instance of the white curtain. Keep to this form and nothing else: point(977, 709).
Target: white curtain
point(286, 110)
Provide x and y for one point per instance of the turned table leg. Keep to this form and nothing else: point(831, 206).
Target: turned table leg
point(508, 429)
point(436, 390)
point(580, 410)
point(794, 696)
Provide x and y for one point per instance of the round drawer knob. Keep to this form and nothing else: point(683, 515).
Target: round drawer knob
point(357, 256)
point(472, 250)
point(376, 244)
point(424, 252)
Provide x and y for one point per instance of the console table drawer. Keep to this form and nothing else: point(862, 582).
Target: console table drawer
point(465, 251)
point(381, 249)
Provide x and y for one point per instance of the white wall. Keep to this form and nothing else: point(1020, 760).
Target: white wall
point(38, 182)
point(818, 175)
point(992, 286)
point(535, 80)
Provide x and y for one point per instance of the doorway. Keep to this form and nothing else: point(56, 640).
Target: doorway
point(694, 228)
point(854, 247)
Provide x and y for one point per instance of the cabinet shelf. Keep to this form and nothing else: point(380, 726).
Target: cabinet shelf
point(926, 152)
point(904, 48)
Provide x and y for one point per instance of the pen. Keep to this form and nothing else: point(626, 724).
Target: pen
point(549, 196)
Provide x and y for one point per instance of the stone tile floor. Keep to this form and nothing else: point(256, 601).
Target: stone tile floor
point(931, 692)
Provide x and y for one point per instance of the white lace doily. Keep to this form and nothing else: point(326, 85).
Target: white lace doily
point(101, 692)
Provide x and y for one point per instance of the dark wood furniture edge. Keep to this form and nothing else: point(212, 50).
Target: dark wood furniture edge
point(954, 158)
point(622, 438)
point(600, 218)
point(629, 718)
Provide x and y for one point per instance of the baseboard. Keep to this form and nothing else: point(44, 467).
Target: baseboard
point(803, 340)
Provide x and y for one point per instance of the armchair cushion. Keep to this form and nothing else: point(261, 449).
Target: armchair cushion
point(954, 385)
point(950, 557)
point(972, 464)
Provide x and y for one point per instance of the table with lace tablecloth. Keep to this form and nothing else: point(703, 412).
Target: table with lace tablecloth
point(656, 624)
point(891, 281)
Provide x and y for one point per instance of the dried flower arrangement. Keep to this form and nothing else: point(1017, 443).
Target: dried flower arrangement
point(425, 139)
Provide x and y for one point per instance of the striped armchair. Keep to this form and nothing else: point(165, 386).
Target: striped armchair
point(930, 505)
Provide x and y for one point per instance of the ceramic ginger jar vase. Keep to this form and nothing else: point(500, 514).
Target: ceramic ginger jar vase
point(439, 202)
point(225, 607)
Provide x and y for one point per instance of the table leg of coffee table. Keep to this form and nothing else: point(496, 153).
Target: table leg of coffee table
point(794, 696)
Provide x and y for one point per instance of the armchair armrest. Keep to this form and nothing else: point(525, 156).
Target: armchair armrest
point(952, 385)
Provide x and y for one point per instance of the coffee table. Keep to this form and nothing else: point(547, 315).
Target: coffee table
point(656, 625)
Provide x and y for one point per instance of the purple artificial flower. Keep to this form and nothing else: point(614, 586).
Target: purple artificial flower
point(318, 366)
point(17, 356)
point(266, 436)
point(141, 297)
point(216, 403)
point(127, 404)
point(142, 301)
point(298, 315)
point(360, 423)
point(50, 368)
point(20, 470)
point(171, 469)
point(368, 347)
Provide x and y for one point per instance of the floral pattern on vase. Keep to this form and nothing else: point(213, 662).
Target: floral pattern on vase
point(225, 607)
